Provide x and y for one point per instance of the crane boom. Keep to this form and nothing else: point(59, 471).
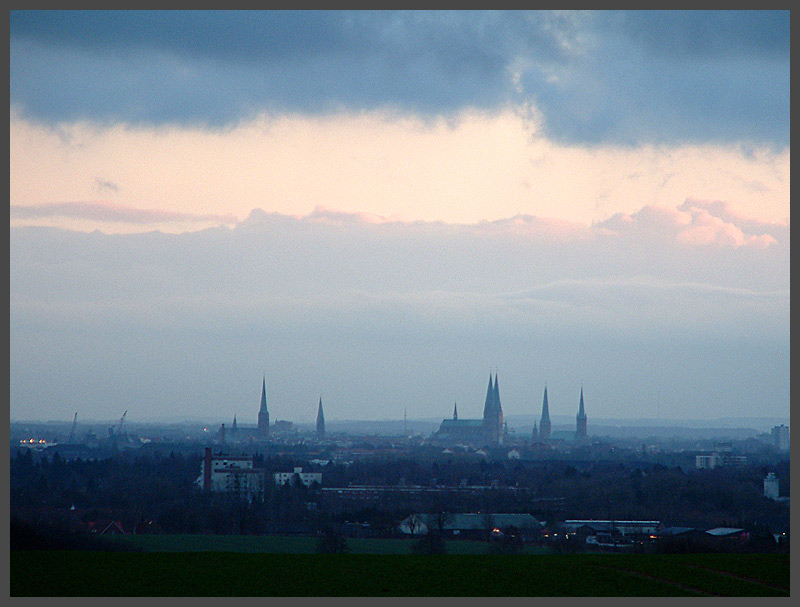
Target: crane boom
point(72, 431)
point(121, 421)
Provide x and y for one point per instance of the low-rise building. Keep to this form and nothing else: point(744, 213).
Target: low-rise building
point(622, 527)
point(230, 474)
point(716, 460)
point(307, 478)
point(471, 525)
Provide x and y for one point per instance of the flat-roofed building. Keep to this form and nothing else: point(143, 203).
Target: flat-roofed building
point(780, 437)
point(297, 475)
point(230, 474)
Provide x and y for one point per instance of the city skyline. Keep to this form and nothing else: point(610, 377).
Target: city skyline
point(374, 208)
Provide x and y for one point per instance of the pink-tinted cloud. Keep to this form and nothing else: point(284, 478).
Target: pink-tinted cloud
point(696, 223)
point(723, 210)
point(543, 229)
point(706, 229)
point(110, 212)
point(327, 214)
point(530, 226)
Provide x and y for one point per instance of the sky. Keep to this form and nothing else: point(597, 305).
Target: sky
point(382, 208)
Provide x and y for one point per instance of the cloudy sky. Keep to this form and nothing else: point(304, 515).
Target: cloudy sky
point(379, 207)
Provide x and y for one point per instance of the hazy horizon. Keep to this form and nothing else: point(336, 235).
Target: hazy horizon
point(558, 421)
point(380, 208)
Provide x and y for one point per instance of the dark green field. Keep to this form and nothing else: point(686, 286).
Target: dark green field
point(289, 545)
point(92, 573)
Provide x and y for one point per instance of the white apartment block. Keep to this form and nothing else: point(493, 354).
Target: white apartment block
point(307, 478)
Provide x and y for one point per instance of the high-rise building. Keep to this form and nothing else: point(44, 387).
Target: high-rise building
point(263, 413)
point(580, 432)
point(780, 437)
point(320, 421)
point(544, 422)
point(771, 486)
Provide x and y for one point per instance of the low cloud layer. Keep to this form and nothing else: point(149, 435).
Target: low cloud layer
point(698, 224)
point(379, 315)
point(111, 213)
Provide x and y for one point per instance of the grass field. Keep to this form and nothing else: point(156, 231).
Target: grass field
point(289, 545)
point(84, 573)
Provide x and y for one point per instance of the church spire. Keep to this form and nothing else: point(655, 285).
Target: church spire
point(455, 411)
point(545, 408)
point(487, 407)
point(497, 414)
point(493, 413)
point(544, 423)
point(580, 433)
point(263, 413)
point(320, 421)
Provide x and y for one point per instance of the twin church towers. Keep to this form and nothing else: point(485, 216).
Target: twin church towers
point(491, 429)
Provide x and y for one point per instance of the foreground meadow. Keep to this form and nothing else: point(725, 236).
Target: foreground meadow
point(215, 573)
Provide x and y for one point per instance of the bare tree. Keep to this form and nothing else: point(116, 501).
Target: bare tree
point(488, 524)
point(414, 523)
point(441, 518)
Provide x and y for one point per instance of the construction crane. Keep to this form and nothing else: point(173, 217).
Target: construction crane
point(118, 431)
point(72, 431)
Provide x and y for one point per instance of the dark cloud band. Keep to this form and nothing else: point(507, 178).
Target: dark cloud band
point(597, 77)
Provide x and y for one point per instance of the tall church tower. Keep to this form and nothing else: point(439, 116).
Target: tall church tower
point(487, 406)
point(498, 412)
point(320, 422)
point(544, 422)
point(580, 433)
point(263, 414)
point(493, 413)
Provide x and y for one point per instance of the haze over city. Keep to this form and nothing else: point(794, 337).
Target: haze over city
point(381, 208)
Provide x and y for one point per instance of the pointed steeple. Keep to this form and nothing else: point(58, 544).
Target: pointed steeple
point(263, 413)
point(544, 423)
point(320, 421)
point(455, 411)
point(500, 425)
point(493, 413)
point(545, 407)
point(487, 407)
point(580, 432)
